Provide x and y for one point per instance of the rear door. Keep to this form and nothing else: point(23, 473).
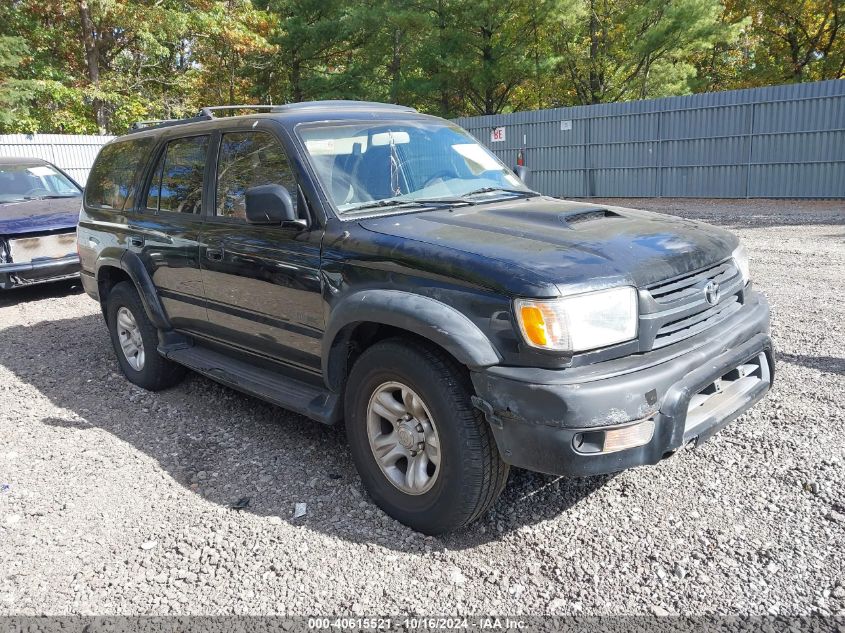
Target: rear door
point(262, 283)
point(166, 228)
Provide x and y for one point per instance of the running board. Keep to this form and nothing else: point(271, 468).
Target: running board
point(289, 393)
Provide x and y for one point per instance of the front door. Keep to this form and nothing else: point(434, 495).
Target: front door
point(262, 283)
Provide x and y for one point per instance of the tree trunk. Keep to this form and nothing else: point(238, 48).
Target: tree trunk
point(488, 77)
point(445, 107)
point(92, 63)
point(595, 78)
point(233, 63)
point(296, 80)
point(396, 66)
point(795, 56)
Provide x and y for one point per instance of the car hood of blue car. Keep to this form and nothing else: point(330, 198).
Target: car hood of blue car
point(39, 215)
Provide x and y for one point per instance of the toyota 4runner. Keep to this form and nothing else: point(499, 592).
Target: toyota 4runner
point(366, 263)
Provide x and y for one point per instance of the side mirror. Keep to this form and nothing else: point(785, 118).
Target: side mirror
point(269, 204)
point(522, 173)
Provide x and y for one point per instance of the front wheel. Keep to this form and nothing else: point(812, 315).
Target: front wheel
point(425, 454)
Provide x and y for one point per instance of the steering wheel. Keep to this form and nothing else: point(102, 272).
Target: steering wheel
point(345, 189)
point(440, 176)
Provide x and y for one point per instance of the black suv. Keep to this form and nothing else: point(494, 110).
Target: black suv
point(367, 263)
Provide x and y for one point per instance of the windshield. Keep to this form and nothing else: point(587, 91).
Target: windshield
point(383, 164)
point(24, 181)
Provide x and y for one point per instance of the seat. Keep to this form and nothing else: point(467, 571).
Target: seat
point(373, 172)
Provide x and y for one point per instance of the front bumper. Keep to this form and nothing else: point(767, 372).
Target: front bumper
point(539, 416)
point(13, 275)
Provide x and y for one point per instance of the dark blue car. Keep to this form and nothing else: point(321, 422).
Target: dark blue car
point(39, 210)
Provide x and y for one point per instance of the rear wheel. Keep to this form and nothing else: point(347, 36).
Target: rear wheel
point(425, 454)
point(135, 341)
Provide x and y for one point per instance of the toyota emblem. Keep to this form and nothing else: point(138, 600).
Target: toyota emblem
point(711, 292)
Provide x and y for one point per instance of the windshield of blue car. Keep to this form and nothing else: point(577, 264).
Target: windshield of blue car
point(23, 181)
point(379, 165)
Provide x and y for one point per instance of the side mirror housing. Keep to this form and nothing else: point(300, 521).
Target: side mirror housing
point(521, 173)
point(269, 204)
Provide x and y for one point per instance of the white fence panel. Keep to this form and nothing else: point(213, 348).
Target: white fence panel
point(74, 153)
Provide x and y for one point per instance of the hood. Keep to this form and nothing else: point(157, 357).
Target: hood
point(570, 244)
point(32, 216)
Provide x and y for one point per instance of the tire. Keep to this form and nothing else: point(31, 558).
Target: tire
point(151, 370)
point(470, 473)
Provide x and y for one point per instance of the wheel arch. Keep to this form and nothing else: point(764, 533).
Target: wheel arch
point(396, 312)
point(114, 266)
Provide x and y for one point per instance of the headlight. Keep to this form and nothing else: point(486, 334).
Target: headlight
point(740, 257)
point(579, 322)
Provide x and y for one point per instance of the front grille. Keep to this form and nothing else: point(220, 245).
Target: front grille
point(691, 284)
point(675, 331)
point(676, 309)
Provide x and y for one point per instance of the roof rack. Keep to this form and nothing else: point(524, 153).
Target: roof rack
point(207, 113)
point(343, 103)
point(156, 123)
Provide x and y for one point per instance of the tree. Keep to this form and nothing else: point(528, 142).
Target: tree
point(495, 52)
point(82, 66)
point(15, 93)
point(313, 42)
point(228, 44)
point(790, 40)
point(628, 49)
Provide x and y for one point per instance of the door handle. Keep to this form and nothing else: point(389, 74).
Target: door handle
point(136, 240)
point(214, 254)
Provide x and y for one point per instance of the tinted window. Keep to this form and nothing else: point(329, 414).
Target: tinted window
point(177, 180)
point(249, 159)
point(114, 177)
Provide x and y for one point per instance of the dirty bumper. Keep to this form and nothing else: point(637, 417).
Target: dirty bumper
point(617, 414)
point(13, 275)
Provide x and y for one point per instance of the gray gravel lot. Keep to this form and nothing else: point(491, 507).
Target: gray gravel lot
point(118, 501)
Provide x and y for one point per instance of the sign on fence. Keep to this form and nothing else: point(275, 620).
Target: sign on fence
point(497, 135)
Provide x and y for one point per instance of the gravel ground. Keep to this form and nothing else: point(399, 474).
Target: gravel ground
point(118, 501)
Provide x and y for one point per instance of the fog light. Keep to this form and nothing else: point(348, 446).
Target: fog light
point(628, 436)
point(612, 440)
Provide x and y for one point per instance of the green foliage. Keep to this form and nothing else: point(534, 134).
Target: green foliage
point(788, 40)
point(15, 94)
point(88, 66)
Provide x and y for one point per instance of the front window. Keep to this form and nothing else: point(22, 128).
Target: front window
point(367, 165)
point(249, 159)
point(23, 181)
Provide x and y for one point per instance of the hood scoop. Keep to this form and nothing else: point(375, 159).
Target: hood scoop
point(582, 217)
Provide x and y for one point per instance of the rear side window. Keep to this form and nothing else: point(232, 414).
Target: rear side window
point(178, 177)
point(114, 178)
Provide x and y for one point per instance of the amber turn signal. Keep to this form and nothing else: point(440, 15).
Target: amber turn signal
point(534, 325)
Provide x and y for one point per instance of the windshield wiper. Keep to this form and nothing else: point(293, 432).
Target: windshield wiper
point(50, 197)
point(522, 192)
point(416, 202)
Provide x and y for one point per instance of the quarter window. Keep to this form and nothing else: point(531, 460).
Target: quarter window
point(178, 178)
point(114, 177)
point(249, 159)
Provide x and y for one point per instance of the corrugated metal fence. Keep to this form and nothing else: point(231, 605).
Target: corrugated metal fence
point(75, 153)
point(777, 142)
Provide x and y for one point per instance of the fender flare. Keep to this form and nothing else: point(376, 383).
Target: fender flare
point(423, 316)
point(132, 265)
